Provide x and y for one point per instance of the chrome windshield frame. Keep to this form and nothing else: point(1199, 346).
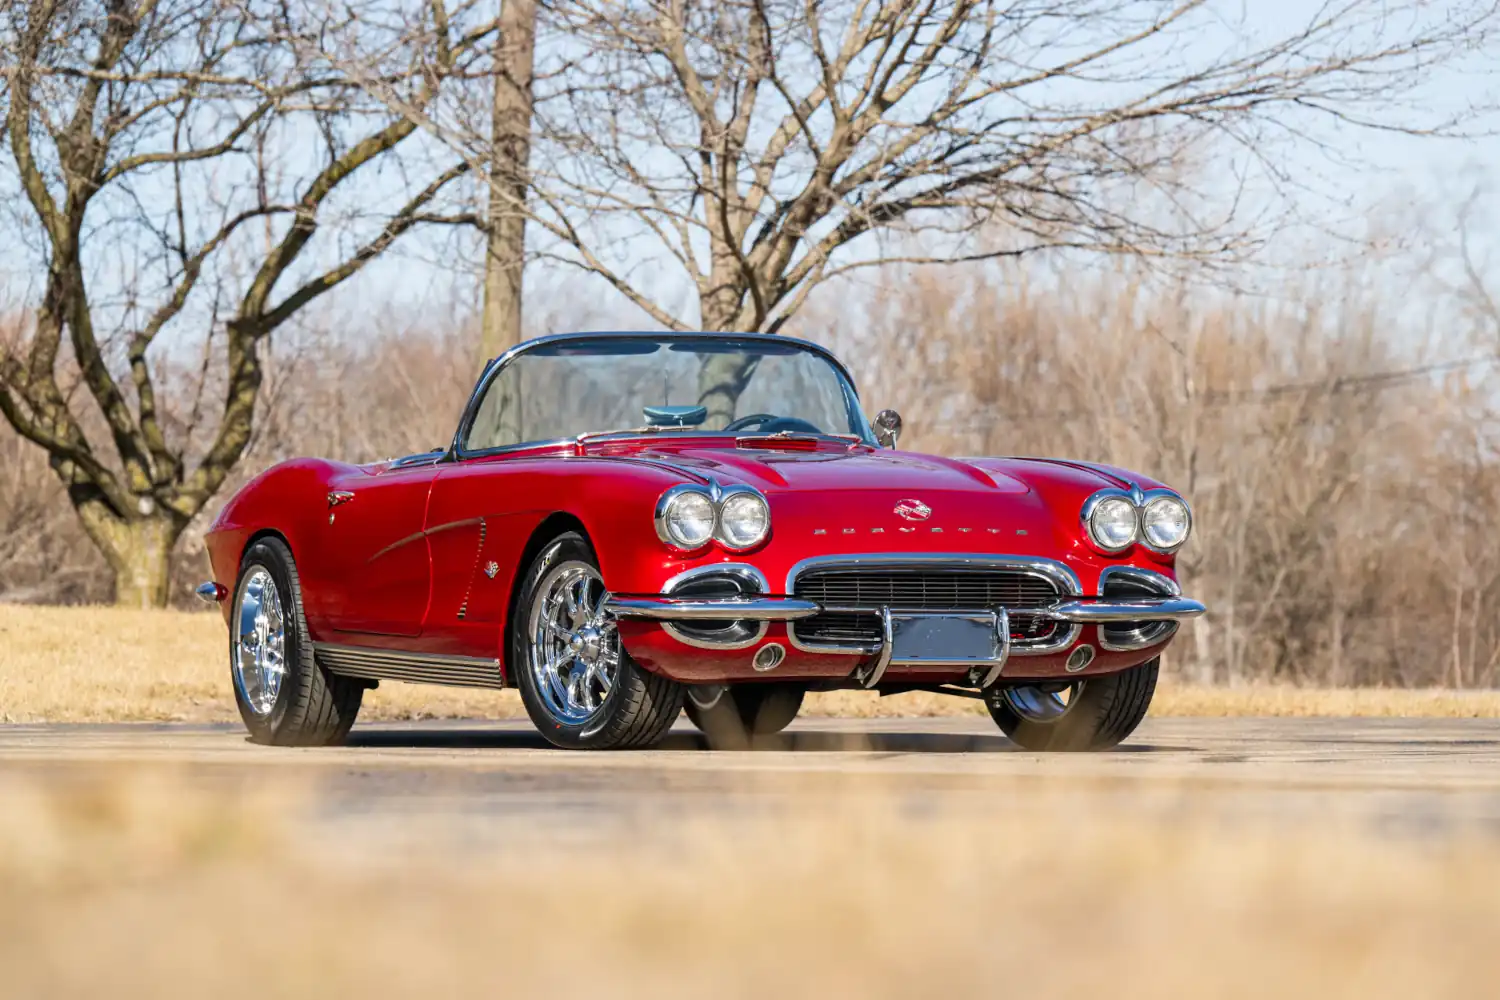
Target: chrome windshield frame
point(492, 370)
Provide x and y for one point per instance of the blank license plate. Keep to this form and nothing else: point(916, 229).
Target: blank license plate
point(944, 638)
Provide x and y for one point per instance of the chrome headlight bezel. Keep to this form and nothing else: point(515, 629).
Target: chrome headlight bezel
point(739, 493)
point(671, 501)
point(1154, 497)
point(1092, 507)
point(1138, 500)
point(716, 496)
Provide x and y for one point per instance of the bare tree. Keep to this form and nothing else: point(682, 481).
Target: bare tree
point(505, 241)
point(753, 147)
point(184, 166)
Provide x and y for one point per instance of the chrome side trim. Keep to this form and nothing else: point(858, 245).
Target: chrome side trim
point(398, 665)
point(775, 609)
point(1060, 575)
point(752, 581)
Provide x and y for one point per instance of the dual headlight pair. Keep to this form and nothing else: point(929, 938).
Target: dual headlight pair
point(1117, 519)
point(688, 516)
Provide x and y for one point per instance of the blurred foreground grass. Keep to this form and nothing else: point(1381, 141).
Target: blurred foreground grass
point(113, 665)
point(131, 882)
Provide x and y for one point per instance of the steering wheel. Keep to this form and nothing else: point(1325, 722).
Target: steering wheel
point(745, 423)
point(770, 423)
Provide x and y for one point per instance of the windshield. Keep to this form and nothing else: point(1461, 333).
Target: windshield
point(663, 384)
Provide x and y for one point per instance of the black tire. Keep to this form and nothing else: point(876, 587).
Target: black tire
point(1102, 712)
point(313, 707)
point(734, 716)
point(640, 706)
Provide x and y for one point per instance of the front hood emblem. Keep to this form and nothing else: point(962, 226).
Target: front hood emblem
point(913, 510)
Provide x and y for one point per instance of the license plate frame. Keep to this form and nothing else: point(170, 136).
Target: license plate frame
point(946, 639)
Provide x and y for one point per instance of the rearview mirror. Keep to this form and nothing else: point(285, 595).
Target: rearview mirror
point(887, 426)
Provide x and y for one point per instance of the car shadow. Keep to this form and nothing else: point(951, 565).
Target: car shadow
point(797, 741)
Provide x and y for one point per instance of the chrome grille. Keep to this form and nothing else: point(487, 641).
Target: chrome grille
point(927, 588)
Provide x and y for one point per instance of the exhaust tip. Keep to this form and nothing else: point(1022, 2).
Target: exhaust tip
point(213, 593)
point(1079, 658)
point(768, 657)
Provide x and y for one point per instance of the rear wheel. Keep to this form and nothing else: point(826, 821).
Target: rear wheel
point(732, 716)
point(283, 695)
point(1095, 713)
point(579, 686)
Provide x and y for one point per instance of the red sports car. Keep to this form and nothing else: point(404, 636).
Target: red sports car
point(631, 524)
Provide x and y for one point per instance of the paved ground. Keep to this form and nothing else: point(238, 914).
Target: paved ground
point(1405, 777)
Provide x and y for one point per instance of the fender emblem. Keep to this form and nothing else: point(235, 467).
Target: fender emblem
point(913, 510)
point(490, 569)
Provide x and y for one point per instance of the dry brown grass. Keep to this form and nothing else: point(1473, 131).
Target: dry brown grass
point(130, 884)
point(115, 665)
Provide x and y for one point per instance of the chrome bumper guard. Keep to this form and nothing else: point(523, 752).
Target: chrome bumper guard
point(1076, 611)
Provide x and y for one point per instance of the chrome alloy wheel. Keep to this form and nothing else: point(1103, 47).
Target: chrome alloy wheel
point(574, 651)
point(1043, 703)
point(260, 642)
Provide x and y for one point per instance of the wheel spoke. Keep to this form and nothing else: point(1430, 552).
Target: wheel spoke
point(575, 686)
point(604, 678)
point(259, 655)
point(574, 652)
point(555, 685)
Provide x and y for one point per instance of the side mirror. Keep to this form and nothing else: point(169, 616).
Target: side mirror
point(887, 428)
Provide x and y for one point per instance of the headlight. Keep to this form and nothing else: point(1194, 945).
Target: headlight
point(1165, 522)
point(685, 518)
point(1112, 523)
point(744, 520)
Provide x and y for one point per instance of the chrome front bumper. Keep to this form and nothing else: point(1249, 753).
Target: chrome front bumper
point(1074, 611)
point(1079, 611)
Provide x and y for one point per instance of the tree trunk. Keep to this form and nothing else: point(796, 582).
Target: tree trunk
point(505, 250)
point(139, 552)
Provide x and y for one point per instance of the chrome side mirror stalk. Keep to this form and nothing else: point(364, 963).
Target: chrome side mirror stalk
point(887, 426)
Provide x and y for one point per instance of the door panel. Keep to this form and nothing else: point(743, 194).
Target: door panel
point(476, 533)
point(378, 569)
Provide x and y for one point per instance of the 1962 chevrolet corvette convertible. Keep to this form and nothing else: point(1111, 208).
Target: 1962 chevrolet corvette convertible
point(629, 524)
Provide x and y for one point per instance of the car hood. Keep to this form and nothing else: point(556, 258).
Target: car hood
point(777, 471)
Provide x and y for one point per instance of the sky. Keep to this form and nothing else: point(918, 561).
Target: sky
point(1404, 190)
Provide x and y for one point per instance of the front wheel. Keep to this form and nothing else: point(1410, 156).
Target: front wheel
point(732, 716)
point(1095, 713)
point(283, 695)
point(579, 686)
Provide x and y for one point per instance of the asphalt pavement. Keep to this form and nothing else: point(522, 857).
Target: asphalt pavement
point(458, 781)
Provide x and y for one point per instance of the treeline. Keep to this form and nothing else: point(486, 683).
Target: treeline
point(1342, 477)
